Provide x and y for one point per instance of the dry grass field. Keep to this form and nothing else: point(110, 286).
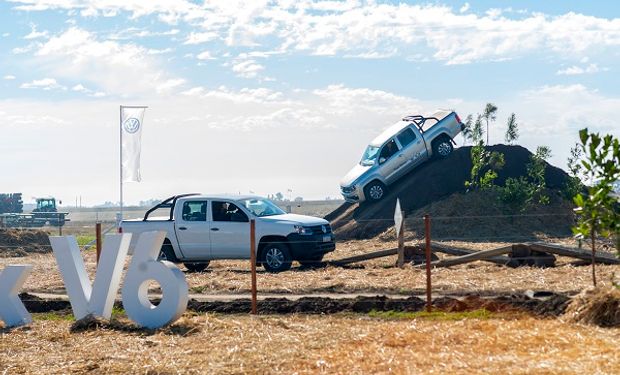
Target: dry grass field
point(376, 276)
point(305, 344)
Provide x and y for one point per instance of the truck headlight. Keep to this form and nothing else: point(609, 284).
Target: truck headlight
point(348, 189)
point(302, 230)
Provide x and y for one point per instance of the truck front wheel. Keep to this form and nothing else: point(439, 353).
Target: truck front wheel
point(375, 191)
point(276, 257)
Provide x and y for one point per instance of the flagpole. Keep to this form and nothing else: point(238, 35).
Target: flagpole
point(120, 219)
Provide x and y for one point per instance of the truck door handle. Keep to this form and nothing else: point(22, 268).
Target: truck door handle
point(215, 229)
point(182, 228)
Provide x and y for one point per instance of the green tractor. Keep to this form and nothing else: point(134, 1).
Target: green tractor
point(47, 213)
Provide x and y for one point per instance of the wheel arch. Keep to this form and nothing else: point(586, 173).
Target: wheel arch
point(169, 244)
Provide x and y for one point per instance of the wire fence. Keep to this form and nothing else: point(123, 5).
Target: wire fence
point(475, 228)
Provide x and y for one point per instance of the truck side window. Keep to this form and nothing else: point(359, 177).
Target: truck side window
point(226, 211)
point(406, 137)
point(388, 150)
point(194, 211)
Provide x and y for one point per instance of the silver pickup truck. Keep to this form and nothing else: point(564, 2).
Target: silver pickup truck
point(398, 150)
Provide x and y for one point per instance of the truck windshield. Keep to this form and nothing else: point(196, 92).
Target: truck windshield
point(262, 207)
point(370, 155)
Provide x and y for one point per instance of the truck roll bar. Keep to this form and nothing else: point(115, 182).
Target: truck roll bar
point(167, 203)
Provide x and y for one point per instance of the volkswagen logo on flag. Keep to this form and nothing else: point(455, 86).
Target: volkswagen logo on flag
point(131, 125)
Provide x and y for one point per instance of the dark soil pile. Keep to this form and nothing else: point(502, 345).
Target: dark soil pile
point(15, 242)
point(438, 188)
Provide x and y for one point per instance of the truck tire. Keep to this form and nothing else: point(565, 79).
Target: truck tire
point(375, 191)
point(442, 147)
point(276, 257)
point(196, 267)
point(167, 253)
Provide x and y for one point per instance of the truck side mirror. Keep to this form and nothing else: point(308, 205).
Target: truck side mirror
point(382, 160)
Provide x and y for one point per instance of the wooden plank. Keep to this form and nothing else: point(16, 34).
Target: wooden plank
point(363, 257)
point(499, 259)
point(601, 258)
point(474, 256)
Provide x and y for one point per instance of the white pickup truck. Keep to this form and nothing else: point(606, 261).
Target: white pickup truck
point(201, 228)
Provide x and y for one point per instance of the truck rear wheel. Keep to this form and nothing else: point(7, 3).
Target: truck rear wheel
point(276, 257)
point(196, 267)
point(167, 253)
point(442, 147)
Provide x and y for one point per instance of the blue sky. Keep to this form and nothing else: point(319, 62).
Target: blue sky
point(267, 96)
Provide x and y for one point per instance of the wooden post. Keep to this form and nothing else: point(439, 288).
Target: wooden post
point(253, 263)
point(401, 245)
point(98, 239)
point(427, 235)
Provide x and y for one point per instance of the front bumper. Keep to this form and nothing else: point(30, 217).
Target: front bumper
point(357, 195)
point(307, 247)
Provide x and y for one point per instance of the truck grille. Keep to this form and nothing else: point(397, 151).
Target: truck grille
point(321, 229)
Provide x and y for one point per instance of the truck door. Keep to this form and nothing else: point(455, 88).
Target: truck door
point(416, 149)
point(390, 160)
point(192, 230)
point(230, 231)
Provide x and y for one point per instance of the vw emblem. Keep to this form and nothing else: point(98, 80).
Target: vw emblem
point(132, 125)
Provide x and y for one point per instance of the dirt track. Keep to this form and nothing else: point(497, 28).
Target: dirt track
point(547, 304)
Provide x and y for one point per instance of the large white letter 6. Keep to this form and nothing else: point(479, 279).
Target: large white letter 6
point(145, 267)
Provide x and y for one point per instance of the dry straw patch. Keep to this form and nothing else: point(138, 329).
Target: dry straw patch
point(316, 344)
point(599, 306)
point(376, 276)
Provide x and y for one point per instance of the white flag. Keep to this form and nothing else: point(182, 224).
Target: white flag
point(131, 134)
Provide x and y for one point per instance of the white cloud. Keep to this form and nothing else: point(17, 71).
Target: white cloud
point(248, 68)
point(371, 29)
point(170, 85)
point(34, 34)
point(197, 38)
point(135, 32)
point(44, 84)
point(9, 77)
point(115, 68)
point(576, 70)
point(79, 88)
point(205, 55)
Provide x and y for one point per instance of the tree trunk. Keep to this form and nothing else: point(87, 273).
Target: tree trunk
point(593, 235)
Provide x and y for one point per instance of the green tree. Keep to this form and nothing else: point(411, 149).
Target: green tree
point(477, 131)
point(512, 132)
point(485, 166)
point(489, 114)
point(598, 210)
point(573, 185)
point(523, 191)
point(467, 128)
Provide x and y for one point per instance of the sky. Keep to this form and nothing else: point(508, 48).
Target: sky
point(271, 96)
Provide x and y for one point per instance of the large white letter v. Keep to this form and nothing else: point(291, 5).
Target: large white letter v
point(98, 299)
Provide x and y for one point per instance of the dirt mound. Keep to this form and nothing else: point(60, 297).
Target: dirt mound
point(439, 179)
point(15, 242)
